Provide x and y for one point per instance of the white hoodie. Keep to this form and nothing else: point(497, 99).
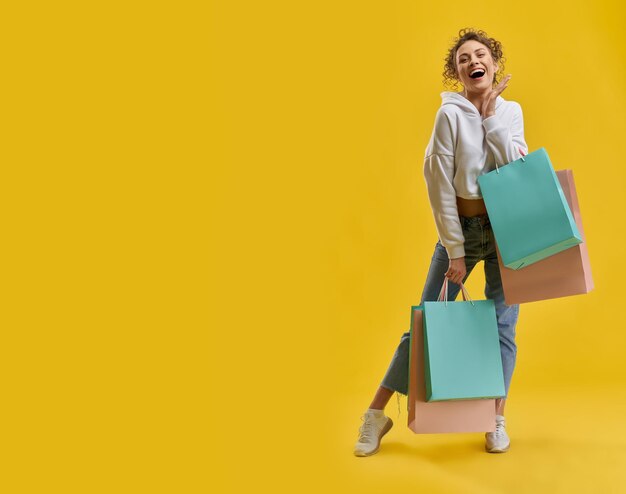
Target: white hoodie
point(462, 147)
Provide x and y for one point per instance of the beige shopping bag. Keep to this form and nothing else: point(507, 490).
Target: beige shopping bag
point(560, 275)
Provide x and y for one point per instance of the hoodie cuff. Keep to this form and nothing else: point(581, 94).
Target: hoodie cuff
point(491, 123)
point(455, 251)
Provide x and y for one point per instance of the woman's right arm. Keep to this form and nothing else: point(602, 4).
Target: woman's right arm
point(439, 175)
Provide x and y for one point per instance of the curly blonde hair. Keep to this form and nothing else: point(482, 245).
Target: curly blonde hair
point(450, 75)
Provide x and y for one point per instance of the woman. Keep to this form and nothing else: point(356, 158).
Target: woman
point(474, 129)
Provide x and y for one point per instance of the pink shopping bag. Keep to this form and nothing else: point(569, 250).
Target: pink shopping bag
point(563, 274)
point(440, 416)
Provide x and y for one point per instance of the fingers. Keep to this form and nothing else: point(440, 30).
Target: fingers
point(455, 276)
point(456, 270)
point(456, 279)
point(503, 84)
point(489, 105)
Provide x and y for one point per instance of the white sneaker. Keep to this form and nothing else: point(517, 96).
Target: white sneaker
point(370, 433)
point(498, 441)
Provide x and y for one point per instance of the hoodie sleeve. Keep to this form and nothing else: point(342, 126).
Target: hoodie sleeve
point(439, 175)
point(505, 142)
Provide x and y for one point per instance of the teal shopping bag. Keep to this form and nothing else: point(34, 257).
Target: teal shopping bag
point(462, 358)
point(529, 214)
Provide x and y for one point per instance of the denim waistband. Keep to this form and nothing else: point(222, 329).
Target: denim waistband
point(481, 219)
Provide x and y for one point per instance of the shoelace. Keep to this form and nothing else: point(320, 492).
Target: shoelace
point(500, 430)
point(367, 430)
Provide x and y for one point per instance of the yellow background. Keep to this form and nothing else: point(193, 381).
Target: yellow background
point(215, 224)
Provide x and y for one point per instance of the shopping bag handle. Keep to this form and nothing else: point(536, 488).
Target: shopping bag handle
point(443, 294)
point(520, 151)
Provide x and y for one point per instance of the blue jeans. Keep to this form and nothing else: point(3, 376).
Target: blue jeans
point(479, 246)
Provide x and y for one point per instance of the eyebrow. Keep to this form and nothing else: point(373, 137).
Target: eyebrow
point(477, 49)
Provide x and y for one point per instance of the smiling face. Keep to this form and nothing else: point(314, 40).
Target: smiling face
point(473, 55)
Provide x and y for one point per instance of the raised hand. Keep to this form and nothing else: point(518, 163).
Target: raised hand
point(488, 108)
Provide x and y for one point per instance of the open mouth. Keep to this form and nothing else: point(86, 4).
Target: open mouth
point(477, 74)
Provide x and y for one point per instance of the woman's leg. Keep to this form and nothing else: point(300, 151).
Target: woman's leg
point(396, 377)
point(506, 316)
point(500, 402)
point(381, 398)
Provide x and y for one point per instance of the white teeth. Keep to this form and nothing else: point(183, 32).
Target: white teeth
point(476, 70)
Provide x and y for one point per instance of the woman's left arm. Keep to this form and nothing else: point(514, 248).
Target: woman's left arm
point(506, 141)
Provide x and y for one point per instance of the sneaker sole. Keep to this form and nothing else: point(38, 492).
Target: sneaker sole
point(383, 431)
point(498, 450)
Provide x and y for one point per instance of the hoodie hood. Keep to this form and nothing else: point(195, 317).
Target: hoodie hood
point(457, 99)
